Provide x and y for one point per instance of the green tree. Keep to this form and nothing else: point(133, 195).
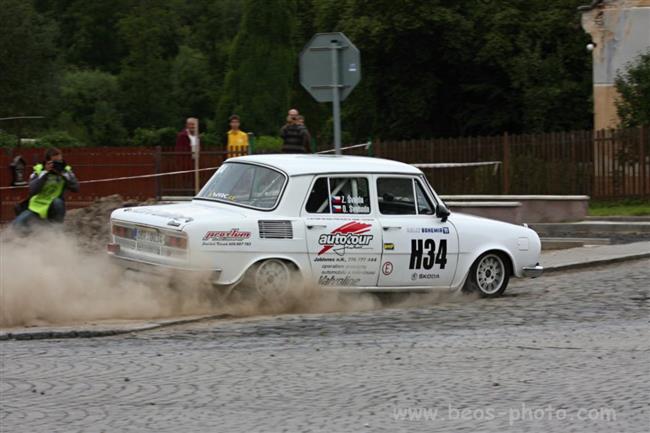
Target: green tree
point(28, 60)
point(633, 85)
point(87, 31)
point(261, 67)
point(531, 68)
point(89, 101)
point(192, 84)
point(150, 34)
point(456, 68)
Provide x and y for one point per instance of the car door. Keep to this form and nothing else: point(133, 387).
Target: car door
point(418, 248)
point(343, 238)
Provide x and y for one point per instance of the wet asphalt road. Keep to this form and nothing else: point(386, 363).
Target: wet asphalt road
point(566, 352)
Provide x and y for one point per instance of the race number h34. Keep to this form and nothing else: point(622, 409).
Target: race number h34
point(423, 254)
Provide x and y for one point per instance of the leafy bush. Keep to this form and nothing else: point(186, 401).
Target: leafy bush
point(154, 137)
point(7, 140)
point(210, 139)
point(634, 87)
point(57, 139)
point(267, 143)
point(89, 107)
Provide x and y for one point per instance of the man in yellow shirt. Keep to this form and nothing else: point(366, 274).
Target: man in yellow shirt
point(237, 139)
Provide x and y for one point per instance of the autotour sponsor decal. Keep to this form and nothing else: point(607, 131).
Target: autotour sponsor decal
point(443, 230)
point(349, 235)
point(232, 237)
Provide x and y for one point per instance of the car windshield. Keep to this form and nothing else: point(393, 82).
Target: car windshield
point(245, 184)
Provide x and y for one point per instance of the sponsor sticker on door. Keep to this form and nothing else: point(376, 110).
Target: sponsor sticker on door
point(350, 235)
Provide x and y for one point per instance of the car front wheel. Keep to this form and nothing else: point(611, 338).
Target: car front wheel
point(489, 276)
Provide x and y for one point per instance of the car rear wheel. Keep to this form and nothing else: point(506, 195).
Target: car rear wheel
point(489, 275)
point(272, 279)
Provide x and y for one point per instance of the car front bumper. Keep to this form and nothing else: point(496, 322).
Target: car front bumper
point(533, 271)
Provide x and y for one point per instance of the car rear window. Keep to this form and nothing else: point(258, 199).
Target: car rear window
point(245, 184)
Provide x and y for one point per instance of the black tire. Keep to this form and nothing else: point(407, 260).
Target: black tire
point(489, 275)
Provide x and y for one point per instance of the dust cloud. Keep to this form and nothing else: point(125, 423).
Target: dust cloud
point(63, 276)
point(46, 279)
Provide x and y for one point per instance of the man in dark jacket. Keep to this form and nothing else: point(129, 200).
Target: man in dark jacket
point(47, 184)
point(295, 137)
point(187, 142)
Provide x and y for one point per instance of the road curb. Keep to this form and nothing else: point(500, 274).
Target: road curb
point(77, 333)
point(596, 262)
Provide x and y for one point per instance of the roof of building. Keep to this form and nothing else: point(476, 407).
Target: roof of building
point(301, 164)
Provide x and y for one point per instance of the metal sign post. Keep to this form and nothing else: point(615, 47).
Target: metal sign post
point(336, 100)
point(330, 67)
point(197, 151)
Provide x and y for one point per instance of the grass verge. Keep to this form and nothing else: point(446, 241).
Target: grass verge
point(629, 207)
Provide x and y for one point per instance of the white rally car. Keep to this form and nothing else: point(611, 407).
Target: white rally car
point(341, 222)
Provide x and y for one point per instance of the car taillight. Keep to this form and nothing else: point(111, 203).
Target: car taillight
point(113, 248)
point(176, 241)
point(122, 232)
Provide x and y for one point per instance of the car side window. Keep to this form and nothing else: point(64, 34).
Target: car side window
point(318, 200)
point(395, 196)
point(339, 195)
point(424, 204)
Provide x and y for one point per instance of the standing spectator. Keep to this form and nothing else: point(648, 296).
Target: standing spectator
point(187, 143)
point(237, 139)
point(47, 185)
point(187, 140)
point(300, 121)
point(295, 138)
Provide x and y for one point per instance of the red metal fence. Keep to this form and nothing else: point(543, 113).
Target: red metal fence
point(603, 164)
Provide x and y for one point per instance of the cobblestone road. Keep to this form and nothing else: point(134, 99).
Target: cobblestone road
point(567, 352)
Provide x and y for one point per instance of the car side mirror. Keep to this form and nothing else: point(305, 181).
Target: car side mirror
point(442, 212)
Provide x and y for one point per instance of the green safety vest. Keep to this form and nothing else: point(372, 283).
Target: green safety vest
point(40, 203)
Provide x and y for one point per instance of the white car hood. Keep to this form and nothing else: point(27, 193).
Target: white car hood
point(177, 215)
point(459, 217)
point(465, 220)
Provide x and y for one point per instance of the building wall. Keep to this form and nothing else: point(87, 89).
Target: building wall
point(620, 29)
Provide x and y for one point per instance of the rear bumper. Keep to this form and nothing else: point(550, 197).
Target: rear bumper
point(156, 269)
point(533, 271)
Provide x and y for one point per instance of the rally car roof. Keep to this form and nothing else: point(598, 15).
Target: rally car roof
point(297, 164)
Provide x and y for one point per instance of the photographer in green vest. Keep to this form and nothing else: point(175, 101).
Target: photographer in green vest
point(47, 185)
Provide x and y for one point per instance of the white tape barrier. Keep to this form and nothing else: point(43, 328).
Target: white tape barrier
point(141, 176)
point(455, 164)
point(171, 173)
point(366, 145)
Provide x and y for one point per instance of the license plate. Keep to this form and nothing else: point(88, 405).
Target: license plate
point(149, 248)
point(149, 235)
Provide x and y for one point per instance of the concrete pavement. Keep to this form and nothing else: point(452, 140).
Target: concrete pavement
point(593, 255)
point(563, 353)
